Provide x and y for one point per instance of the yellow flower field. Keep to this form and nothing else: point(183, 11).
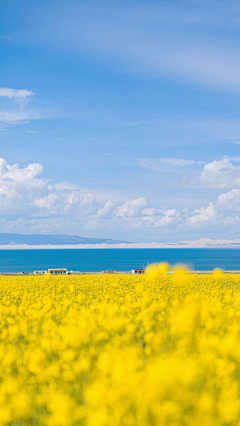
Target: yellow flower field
point(120, 350)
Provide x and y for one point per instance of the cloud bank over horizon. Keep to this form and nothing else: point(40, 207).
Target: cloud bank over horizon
point(29, 201)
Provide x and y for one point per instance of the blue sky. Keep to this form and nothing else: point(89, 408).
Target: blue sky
point(120, 119)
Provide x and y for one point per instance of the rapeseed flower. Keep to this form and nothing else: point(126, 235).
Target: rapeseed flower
point(101, 350)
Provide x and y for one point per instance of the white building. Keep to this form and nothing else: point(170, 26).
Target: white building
point(40, 272)
point(58, 271)
point(137, 271)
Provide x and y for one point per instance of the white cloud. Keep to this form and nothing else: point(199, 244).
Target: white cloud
point(83, 204)
point(231, 221)
point(44, 207)
point(25, 194)
point(132, 208)
point(17, 110)
point(220, 174)
point(18, 186)
point(230, 199)
point(20, 95)
point(224, 173)
point(22, 177)
point(46, 202)
point(156, 164)
point(13, 118)
point(207, 214)
point(160, 218)
point(105, 211)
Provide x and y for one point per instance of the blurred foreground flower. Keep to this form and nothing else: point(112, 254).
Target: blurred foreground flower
point(181, 275)
point(104, 350)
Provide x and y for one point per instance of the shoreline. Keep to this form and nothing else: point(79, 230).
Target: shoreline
point(31, 274)
point(201, 243)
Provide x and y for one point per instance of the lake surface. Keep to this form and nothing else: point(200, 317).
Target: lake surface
point(94, 260)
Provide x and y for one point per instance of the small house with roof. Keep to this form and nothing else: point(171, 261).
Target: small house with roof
point(58, 271)
point(40, 272)
point(137, 271)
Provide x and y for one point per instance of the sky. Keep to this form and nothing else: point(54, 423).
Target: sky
point(120, 119)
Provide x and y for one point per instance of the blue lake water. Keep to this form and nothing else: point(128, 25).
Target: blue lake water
point(94, 260)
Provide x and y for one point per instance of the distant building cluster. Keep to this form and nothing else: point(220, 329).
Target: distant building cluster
point(64, 271)
point(53, 271)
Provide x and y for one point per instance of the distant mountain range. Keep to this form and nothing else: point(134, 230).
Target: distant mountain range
point(59, 239)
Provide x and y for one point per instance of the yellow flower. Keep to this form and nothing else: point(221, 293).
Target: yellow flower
point(218, 273)
point(103, 350)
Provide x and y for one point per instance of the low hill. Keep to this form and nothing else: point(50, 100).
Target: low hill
point(59, 239)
